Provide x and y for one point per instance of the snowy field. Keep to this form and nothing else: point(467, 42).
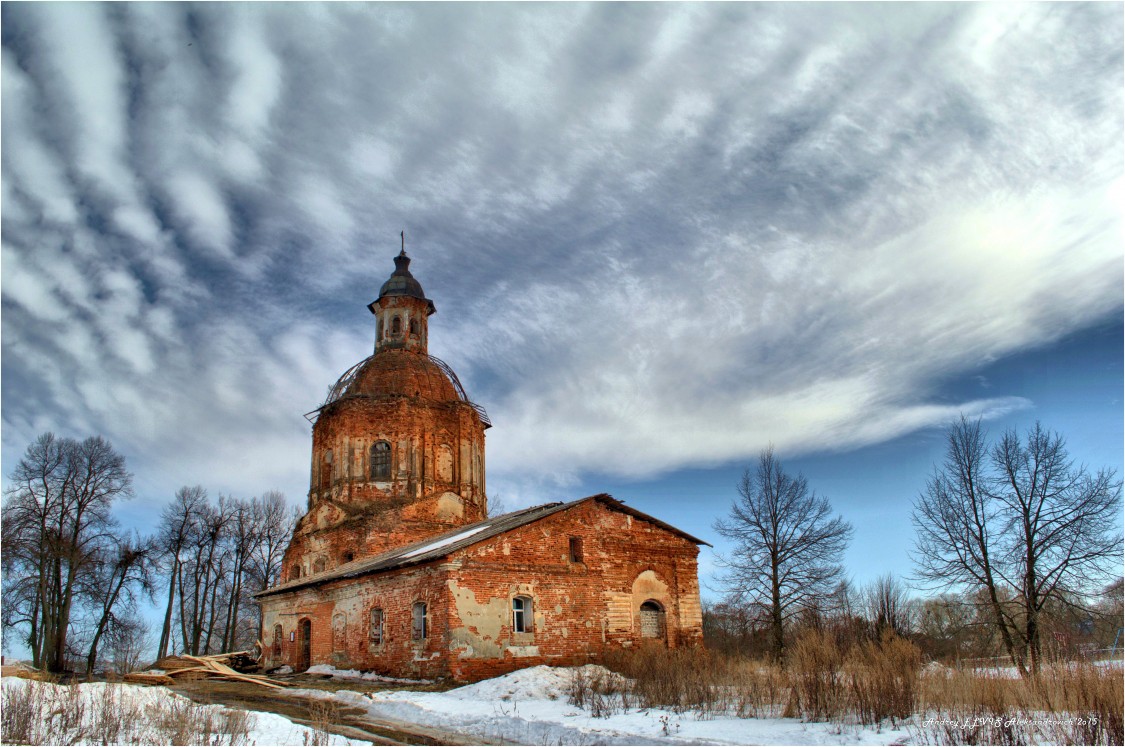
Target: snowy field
point(525, 707)
point(530, 707)
point(146, 715)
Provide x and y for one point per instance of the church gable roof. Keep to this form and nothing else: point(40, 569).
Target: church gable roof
point(443, 545)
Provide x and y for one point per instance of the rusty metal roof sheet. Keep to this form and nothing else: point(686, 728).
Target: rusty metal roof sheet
point(443, 545)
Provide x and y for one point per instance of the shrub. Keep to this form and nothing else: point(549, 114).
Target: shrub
point(882, 679)
point(814, 665)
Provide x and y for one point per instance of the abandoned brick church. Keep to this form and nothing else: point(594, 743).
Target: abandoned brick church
point(397, 568)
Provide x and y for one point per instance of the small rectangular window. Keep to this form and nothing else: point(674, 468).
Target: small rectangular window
point(575, 549)
point(521, 615)
point(376, 629)
point(419, 623)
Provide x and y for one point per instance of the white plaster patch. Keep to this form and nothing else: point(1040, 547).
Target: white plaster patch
point(520, 652)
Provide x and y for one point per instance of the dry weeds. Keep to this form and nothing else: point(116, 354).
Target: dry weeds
point(41, 713)
point(870, 684)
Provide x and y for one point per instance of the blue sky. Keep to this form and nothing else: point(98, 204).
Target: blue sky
point(659, 236)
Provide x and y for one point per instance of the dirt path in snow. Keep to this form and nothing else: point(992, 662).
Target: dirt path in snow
point(329, 716)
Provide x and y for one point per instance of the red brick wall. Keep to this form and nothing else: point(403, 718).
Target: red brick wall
point(579, 609)
point(437, 478)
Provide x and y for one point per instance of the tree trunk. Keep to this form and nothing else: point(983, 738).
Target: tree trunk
point(92, 657)
point(777, 631)
point(166, 631)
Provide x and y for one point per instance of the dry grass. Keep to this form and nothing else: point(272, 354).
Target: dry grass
point(870, 684)
point(1075, 703)
point(45, 713)
point(882, 680)
point(322, 714)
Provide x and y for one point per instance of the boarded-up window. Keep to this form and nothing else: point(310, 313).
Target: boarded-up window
point(339, 632)
point(375, 633)
point(380, 460)
point(419, 622)
point(652, 620)
point(521, 615)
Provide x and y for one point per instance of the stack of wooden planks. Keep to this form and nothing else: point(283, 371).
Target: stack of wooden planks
point(216, 666)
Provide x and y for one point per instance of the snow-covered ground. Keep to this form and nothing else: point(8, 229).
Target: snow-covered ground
point(1011, 673)
point(530, 707)
point(147, 716)
point(355, 674)
point(525, 707)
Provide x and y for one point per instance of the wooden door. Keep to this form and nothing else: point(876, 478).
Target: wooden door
point(304, 645)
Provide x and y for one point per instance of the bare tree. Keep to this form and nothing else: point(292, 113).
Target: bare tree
point(887, 606)
point(216, 556)
point(244, 534)
point(946, 623)
point(787, 545)
point(127, 640)
point(955, 524)
point(496, 507)
point(178, 522)
point(1017, 521)
point(57, 520)
point(275, 521)
point(1061, 522)
point(122, 571)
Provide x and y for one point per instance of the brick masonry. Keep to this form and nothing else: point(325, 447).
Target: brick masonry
point(578, 610)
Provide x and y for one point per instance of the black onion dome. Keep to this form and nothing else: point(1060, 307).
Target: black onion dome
point(401, 282)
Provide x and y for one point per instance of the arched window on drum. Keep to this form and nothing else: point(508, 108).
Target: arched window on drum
point(380, 460)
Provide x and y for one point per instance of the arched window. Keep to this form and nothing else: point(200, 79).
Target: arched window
point(375, 632)
point(413, 327)
point(378, 329)
point(380, 460)
point(396, 326)
point(295, 571)
point(521, 615)
point(318, 565)
point(347, 557)
point(277, 641)
point(652, 620)
point(419, 622)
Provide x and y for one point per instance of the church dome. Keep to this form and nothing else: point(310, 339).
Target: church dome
point(400, 373)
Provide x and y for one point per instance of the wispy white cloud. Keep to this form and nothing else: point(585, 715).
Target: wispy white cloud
point(726, 225)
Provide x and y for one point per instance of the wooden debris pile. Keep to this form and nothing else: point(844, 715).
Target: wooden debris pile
point(26, 671)
point(216, 666)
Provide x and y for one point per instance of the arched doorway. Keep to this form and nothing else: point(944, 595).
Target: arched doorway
point(304, 642)
point(652, 620)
